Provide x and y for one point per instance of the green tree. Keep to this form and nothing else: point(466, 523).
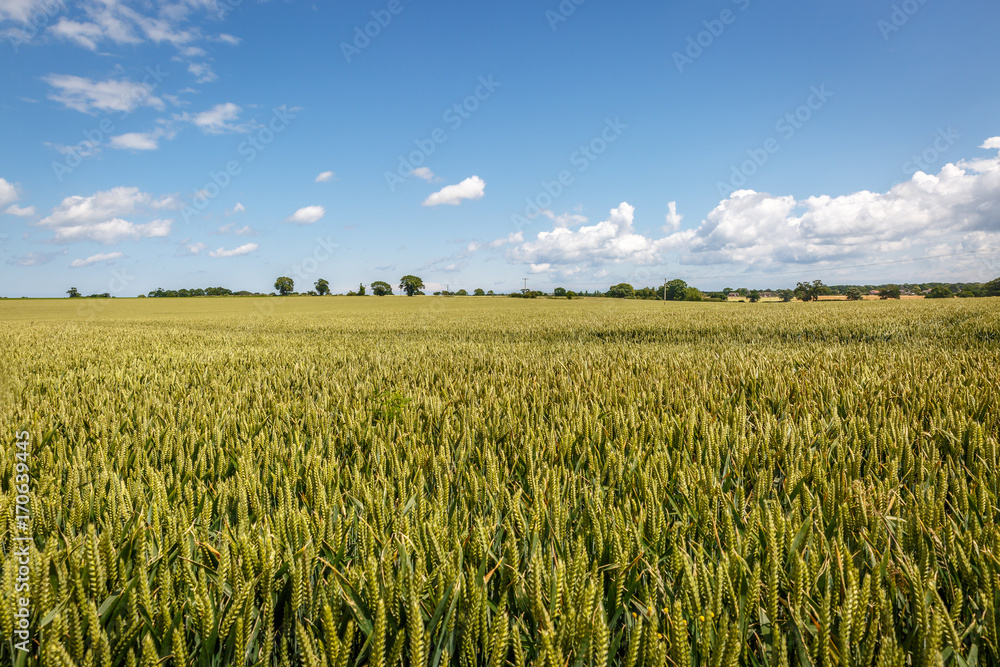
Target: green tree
point(73, 292)
point(322, 287)
point(381, 288)
point(676, 290)
point(621, 291)
point(559, 291)
point(284, 285)
point(892, 292)
point(992, 288)
point(411, 285)
point(479, 292)
point(854, 294)
point(754, 296)
point(940, 292)
point(461, 292)
point(361, 289)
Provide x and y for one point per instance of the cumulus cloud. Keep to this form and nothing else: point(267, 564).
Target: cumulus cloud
point(8, 192)
point(613, 240)
point(954, 211)
point(94, 259)
point(193, 248)
point(22, 10)
point(34, 258)
point(471, 188)
point(20, 211)
point(326, 176)
point(238, 208)
point(244, 249)
point(89, 96)
point(307, 215)
point(100, 217)
point(674, 219)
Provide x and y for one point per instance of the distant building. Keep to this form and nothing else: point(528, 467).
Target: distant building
point(735, 295)
point(873, 292)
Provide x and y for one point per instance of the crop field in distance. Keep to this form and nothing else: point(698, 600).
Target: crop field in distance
point(460, 481)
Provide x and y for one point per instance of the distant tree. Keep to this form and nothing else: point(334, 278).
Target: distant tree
point(992, 288)
point(411, 285)
point(892, 292)
point(479, 292)
point(73, 292)
point(284, 285)
point(570, 294)
point(381, 288)
point(754, 296)
point(322, 287)
point(361, 289)
point(727, 290)
point(940, 292)
point(461, 292)
point(621, 291)
point(489, 293)
point(854, 294)
point(807, 292)
point(559, 291)
point(676, 290)
point(691, 294)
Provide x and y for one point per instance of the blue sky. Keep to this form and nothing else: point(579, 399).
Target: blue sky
point(582, 143)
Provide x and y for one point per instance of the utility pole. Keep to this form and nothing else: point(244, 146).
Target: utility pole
point(664, 290)
point(525, 284)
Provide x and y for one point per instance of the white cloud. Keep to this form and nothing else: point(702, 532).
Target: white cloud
point(674, 219)
point(94, 259)
point(100, 217)
point(8, 192)
point(194, 248)
point(992, 143)
point(471, 188)
point(88, 96)
point(238, 208)
point(217, 120)
point(424, 173)
point(99, 206)
point(954, 211)
point(22, 10)
point(117, 22)
point(20, 211)
point(307, 215)
point(326, 176)
point(112, 231)
point(513, 237)
point(244, 249)
point(229, 39)
point(141, 141)
point(612, 240)
point(202, 72)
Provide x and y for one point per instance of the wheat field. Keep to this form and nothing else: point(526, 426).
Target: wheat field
point(476, 481)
